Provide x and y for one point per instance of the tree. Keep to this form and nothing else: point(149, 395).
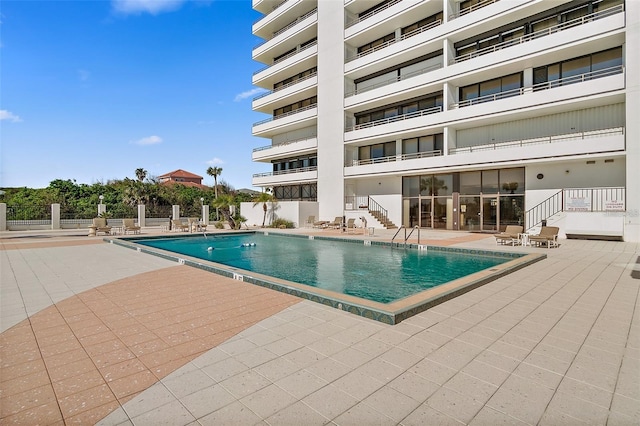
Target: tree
point(263, 199)
point(223, 204)
point(141, 174)
point(215, 172)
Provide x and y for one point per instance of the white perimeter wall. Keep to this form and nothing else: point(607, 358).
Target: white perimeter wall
point(294, 211)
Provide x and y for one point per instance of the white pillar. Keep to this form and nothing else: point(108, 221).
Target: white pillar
point(102, 208)
point(3, 216)
point(205, 214)
point(175, 212)
point(55, 216)
point(141, 215)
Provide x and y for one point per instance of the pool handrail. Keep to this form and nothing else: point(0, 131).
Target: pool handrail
point(406, 237)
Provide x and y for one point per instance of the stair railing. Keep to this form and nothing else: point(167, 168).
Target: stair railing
point(378, 211)
point(544, 210)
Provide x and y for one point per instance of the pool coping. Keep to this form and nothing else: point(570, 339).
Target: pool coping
point(388, 313)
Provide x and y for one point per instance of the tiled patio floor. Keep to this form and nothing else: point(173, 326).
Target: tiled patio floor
point(95, 329)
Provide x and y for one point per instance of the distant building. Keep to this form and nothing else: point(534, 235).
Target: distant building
point(182, 177)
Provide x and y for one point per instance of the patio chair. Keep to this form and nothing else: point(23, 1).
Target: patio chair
point(509, 235)
point(320, 223)
point(99, 225)
point(548, 234)
point(128, 225)
point(337, 223)
point(351, 225)
point(177, 225)
point(310, 221)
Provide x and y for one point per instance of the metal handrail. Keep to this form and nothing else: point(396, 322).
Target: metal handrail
point(541, 86)
point(286, 27)
point(392, 158)
point(262, 148)
point(285, 86)
point(393, 80)
point(372, 13)
point(406, 237)
point(401, 117)
point(397, 232)
point(286, 172)
point(472, 8)
point(308, 46)
point(286, 114)
point(544, 210)
point(535, 35)
point(403, 37)
point(538, 141)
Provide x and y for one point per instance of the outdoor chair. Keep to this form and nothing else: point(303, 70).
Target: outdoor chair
point(351, 225)
point(128, 225)
point(548, 235)
point(509, 235)
point(99, 225)
point(337, 223)
point(177, 225)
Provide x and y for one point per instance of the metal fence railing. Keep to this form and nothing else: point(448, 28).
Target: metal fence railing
point(29, 214)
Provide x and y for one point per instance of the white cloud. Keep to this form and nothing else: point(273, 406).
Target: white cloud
point(215, 161)
point(248, 94)
point(149, 140)
point(8, 115)
point(153, 7)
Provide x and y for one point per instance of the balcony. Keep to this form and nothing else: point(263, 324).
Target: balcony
point(301, 88)
point(371, 14)
point(581, 78)
point(302, 28)
point(472, 8)
point(292, 120)
point(285, 149)
point(395, 119)
point(539, 34)
point(296, 62)
point(390, 81)
point(303, 174)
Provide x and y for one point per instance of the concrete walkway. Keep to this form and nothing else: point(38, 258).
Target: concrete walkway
point(555, 343)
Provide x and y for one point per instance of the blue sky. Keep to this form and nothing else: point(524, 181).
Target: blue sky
point(92, 90)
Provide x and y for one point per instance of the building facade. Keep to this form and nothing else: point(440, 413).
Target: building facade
point(445, 114)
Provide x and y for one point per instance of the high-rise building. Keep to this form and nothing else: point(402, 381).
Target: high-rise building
point(461, 115)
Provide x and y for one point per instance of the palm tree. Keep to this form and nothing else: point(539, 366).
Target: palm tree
point(263, 199)
point(223, 203)
point(141, 174)
point(215, 172)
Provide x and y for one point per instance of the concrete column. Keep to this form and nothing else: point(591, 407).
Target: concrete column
point(102, 208)
point(3, 216)
point(55, 216)
point(205, 214)
point(175, 212)
point(141, 215)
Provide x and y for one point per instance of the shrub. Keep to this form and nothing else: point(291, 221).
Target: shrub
point(281, 223)
point(219, 225)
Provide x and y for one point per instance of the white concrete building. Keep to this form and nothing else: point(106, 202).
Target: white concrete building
point(462, 115)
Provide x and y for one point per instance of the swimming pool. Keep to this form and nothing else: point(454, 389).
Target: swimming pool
point(374, 280)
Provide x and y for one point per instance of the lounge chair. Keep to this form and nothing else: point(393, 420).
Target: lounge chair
point(548, 234)
point(310, 221)
point(320, 223)
point(337, 223)
point(509, 235)
point(177, 225)
point(351, 225)
point(128, 225)
point(99, 225)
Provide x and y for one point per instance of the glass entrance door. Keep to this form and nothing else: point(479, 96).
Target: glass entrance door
point(426, 213)
point(489, 213)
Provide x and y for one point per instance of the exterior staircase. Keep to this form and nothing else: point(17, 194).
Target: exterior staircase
point(380, 214)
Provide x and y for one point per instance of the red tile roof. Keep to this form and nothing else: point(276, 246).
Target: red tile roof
point(181, 174)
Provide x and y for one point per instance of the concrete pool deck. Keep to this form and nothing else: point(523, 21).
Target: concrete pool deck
point(93, 333)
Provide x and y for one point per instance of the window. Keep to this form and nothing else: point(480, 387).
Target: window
point(376, 43)
point(422, 23)
point(392, 111)
point(491, 87)
point(578, 66)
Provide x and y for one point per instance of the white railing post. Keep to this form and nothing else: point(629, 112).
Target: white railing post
point(55, 216)
point(3, 216)
point(141, 215)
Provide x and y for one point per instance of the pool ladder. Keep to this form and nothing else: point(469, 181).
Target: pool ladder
point(406, 237)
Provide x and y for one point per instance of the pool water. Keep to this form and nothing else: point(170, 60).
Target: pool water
point(377, 273)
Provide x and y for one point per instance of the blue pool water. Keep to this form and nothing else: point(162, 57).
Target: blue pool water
point(378, 273)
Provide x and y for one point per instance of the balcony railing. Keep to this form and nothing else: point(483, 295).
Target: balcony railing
point(287, 172)
point(286, 114)
point(272, 9)
point(284, 86)
point(372, 13)
point(278, 145)
point(539, 141)
point(284, 58)
point(472, 8)
point(402, 117)
point(538, 34)
point(396, 40)
point(393, 158)
point(393, 80)
point(542, 86)
point(286, 27)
